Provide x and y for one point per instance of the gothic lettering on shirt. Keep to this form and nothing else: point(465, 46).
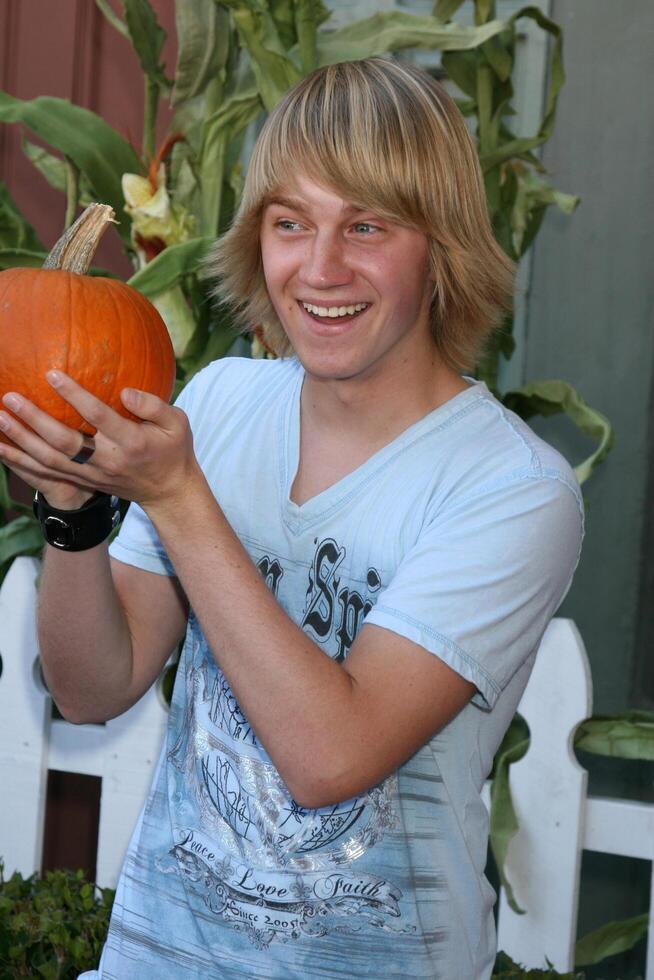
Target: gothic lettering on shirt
point(334, 611)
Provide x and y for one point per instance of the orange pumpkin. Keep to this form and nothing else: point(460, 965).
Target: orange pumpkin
point(101, 332)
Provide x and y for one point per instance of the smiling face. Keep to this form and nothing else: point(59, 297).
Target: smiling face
point(351, 288)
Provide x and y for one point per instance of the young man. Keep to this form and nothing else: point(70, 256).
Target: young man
point(362, 546)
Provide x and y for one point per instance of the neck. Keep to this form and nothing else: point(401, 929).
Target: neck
point(377, 409)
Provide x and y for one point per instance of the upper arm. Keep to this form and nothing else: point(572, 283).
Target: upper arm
point(467, 605)
point(156, 610)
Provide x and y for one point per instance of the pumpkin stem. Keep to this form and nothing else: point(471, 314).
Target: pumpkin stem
point(75, 249)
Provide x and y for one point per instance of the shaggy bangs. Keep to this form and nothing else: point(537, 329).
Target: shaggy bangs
point(387, 138)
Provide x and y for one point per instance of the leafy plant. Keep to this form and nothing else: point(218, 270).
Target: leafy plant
point(51, 928)
point(506, 969)
point(628, 735)
point(236, 58)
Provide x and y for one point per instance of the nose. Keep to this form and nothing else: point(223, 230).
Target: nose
point(325, 263)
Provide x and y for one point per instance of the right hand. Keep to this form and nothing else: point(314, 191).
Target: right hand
point(61, 494)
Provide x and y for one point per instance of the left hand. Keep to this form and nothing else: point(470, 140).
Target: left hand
point(146, 461)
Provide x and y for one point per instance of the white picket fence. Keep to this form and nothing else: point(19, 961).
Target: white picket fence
point(557, 818)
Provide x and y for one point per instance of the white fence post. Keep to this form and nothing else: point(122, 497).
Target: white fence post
point(549, 792)
point(557, 820)
point(123, 752)
point(24, 723)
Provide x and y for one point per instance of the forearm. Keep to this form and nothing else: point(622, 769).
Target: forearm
point(300, 702)
point(84, 637)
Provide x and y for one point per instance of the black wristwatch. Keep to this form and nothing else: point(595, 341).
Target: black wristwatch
point(78, 530)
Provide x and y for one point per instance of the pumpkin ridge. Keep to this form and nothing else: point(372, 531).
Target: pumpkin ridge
point(144, 368)
point(115, 392)
point(101, 332)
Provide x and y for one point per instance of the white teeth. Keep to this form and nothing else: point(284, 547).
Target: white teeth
point(335, 311)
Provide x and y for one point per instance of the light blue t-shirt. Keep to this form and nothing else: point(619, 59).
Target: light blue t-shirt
point(462, 535)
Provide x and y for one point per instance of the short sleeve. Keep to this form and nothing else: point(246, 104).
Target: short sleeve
point(485, 577)
point(137, 542)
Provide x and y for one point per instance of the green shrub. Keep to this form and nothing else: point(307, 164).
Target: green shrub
point(51, 928)
point(506, 969)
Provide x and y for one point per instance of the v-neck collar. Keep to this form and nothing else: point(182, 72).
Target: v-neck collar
point(299, 517)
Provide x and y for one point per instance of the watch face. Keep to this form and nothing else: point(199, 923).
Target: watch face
point(57, 532)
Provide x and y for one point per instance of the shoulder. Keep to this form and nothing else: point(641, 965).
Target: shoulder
point(492, 447)
point(235, 381)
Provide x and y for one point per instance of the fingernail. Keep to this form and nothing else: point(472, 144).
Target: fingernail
point(12, 401)
point(54, 377)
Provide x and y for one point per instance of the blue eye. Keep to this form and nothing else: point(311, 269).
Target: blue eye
point(365, 224)
point(284, 224)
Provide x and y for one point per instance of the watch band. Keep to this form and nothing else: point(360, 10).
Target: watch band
point(78, 530)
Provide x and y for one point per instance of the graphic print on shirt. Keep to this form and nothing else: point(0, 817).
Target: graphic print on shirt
point(268, 866)
point(329, 605)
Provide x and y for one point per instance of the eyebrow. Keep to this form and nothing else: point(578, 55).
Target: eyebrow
point(297, 204)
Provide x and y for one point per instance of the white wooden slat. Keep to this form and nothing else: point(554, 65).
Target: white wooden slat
point(624, 827)
point(557, 820)
point(133, 745)
point(24, 722)
point(549, 790)
point(649, 963)
point(77, 748)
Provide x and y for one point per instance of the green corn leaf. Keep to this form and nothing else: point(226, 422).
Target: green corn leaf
point(275, 73)
point(523, 145)
point(498, 55)
point(6, 500)
point(218, 343)
point(461, 67)
point(49, 166)
point(95, 148)
point(176, 314)
point(615, 937)
point(445, 9)
point(629, 735)
point(112, 17)
point(147, 37)
point(309, 15)
point(556, 72)
point(283, 15)
point(394, 30)
point(306, 27)
point(15, 230)
point(533, 195)
point(54, 170)
point(220, 130)
point(21, 258)
point(503, 820)
point(170, 266)
point(21, 536)
point(552, 397)
point(203, 46)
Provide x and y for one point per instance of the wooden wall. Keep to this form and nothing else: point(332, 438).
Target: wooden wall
point(68, 49)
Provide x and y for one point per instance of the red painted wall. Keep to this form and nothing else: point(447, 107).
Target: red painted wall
point(68, 49)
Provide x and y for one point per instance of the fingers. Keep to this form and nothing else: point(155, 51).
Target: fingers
point(140, 403)
point(34, 474)
point(94, 411)
point(47, 441)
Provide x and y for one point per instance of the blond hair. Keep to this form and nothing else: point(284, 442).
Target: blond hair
point(388, 138)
